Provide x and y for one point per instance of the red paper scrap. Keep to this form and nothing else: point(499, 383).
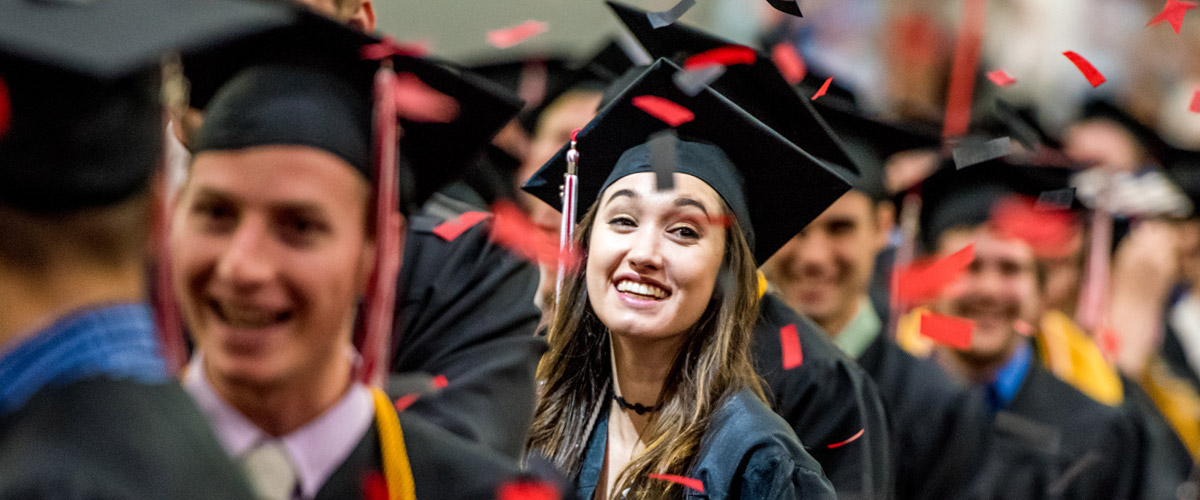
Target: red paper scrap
point(1110, 343)
point(512, 229)
point(5, 108)
point(923, 281)
point(949, 330)
point(1001, 78)
point(789, 62)
point(1172, 13)
point(418, 102)
point(848, 441)
point(528, 490)
point(374, 486)
point(967, 48)
point(439, 382)
point(669, 112)
point(728, 55)
point(389, 47)
point(455, 227)
point(508, 37)
point(1093, 75)
point(823, 89)
point(789, 340)
point(406, 400)
point(1195, 108)
point(694, 484)
point(1048, 233)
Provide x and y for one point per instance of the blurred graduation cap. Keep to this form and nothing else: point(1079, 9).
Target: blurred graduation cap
point(772, 187)
point(329, 55)
point(953, 197)
point(769, 98)
point(594, 74)
point(84, 81)
point(787, 6)
point(1183, 169)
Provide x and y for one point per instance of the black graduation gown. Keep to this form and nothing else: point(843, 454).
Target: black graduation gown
point(101, 438)
point(465, 311)
point(939, 429)
point(827, 400)
point(1165, 462)
point(747, 453)
point(444, 466)
point(1053, 442)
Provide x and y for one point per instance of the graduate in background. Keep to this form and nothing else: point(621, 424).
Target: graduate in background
point(272, 245)
point(1048, 439)
point(938, 429)
point(88, 406)
point(828, 398)
point(649, 370)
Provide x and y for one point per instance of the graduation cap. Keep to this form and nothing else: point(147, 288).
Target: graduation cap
point(772, 187)
point(758, 87)
point(595, 74)
point(787, 6)
point(1183, 170)
point(953, 197)
point(85, 125)
point(432, 153)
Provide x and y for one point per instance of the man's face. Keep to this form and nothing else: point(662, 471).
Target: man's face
point(826, 268)
point(570, 112)
point(999, 288)
point(269, 254)
point(1103, 143)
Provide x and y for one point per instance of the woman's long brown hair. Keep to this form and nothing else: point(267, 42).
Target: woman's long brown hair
point(713, 363)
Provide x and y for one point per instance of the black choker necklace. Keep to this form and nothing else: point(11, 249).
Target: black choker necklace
point(638, 408)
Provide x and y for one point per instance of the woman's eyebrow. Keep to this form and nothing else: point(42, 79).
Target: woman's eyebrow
point(623, 192)
point(686, 202)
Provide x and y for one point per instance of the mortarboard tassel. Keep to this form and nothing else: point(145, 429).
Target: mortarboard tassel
point(375, 328)
point(168, 319)
point(566, 228)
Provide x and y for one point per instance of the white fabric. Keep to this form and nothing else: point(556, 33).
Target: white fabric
point(271, 471)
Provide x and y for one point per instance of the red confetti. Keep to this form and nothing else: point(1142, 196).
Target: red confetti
point(406, 400)
point(389, 47)
point(1049, 233)
point(967, 47)
point(1001, 78)
point(1110, 343)
point(1172, 13)
point(789, 62)
point(923, 281)
point(669, 112)
point(724, 56)
point(455, 227)
point(508, 37)
point(528, 490)
point(949, 330)
point(419, 102)
point(1093, 75)
point(789, 340)
point(5, 109)
point(823, 89)
point(1194, 107)
point(848, 441)
point(374, 486)
point(512, 229)
point(694, 484)
point(439, 382)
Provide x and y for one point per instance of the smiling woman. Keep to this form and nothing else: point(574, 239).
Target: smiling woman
point(648, 372)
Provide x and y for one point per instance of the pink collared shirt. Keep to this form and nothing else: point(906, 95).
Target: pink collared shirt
point(317, 449)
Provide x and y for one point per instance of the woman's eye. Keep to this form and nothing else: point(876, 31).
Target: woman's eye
point(622, 221)
point(686, 232)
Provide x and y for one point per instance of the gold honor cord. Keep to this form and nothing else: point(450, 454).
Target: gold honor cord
point(397, 471)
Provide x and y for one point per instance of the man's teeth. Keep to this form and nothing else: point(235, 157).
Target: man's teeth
point(641, 289)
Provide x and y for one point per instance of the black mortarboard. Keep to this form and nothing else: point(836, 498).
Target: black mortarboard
point(872, 141)
point(594, 74)
point(84, 85)
point(953, 197)
point(758, 88)
point(772, 187)
point(1183, 169)
point(787, 6)
point(1099, 109)
point(296, 82)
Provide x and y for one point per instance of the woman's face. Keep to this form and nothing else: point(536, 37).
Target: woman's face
point(654, 256)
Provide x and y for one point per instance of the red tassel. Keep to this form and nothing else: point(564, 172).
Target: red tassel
point(5, 108)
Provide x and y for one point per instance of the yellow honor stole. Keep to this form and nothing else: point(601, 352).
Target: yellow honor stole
point(397, 472)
